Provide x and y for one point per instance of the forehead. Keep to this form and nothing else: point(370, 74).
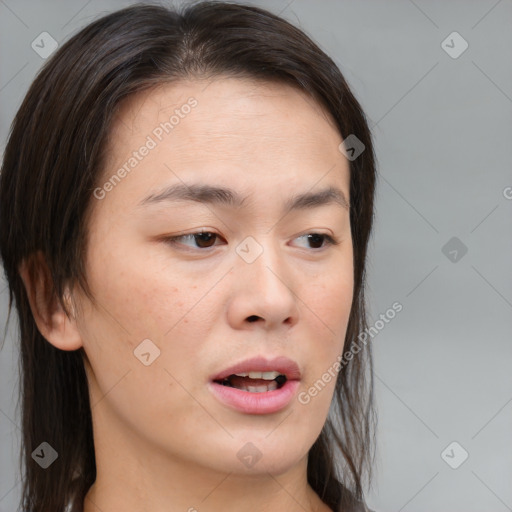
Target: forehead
point(251, 112)
point(259, 134)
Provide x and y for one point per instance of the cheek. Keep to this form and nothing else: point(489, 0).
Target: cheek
point(141, 300)
point(328, 297)
point(329, 302)
point(137, 303)
point(140, 297)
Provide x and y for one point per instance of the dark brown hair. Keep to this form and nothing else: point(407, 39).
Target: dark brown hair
point(53, 160)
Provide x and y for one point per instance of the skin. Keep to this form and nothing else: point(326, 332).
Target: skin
point(161, 437)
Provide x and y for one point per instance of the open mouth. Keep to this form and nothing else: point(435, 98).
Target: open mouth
point(254, 382)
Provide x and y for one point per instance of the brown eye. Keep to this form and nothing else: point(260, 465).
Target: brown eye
point(201, 240)
point(204, 239)
point(316, 239)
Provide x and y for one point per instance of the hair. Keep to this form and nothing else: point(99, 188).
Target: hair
point(54, 157)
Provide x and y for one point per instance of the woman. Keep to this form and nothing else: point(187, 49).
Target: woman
point(186, 202)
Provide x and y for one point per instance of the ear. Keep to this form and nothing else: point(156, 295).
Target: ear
point(52, 321)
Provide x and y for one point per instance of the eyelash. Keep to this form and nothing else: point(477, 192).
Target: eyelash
point(173, 240)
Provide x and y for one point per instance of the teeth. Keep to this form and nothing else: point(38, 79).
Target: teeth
point(261, 375)
point(254, 389)
point(261, 389)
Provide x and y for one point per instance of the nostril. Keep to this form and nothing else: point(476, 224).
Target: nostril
point(253, 318)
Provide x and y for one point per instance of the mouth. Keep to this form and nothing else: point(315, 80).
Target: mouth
point(258, 385)
point(254, 382)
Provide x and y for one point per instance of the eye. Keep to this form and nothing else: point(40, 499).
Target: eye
point(206, 239)
point(317, 238)
point(203, 238)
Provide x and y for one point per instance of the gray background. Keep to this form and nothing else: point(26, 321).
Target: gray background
point(443, 135)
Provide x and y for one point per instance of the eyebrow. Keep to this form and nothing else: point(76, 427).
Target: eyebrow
point(203, 193)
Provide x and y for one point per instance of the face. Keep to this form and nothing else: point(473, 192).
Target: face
point(175, 308)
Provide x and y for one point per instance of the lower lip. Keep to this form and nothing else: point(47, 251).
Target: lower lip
point(247, 402)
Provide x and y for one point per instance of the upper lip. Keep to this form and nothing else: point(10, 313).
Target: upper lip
point(281, 364)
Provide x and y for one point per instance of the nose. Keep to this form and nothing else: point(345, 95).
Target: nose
point(264, 290)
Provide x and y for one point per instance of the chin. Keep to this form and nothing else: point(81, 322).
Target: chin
point(269, 452)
